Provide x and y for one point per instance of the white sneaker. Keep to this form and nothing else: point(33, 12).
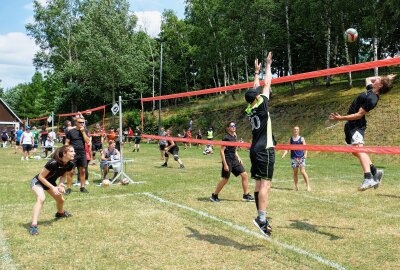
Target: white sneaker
point(26, 158)
point(368, 183)
point(77, 184)
point(22, 158)
point(86, 183)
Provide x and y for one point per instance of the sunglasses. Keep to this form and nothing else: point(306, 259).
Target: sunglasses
point(81, 122)
point(232, 125)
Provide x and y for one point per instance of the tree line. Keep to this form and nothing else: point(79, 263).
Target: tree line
point(91, 51)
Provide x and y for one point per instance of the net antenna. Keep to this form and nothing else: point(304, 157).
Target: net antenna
point(121, 175)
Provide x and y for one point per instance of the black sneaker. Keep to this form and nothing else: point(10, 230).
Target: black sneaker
point(65, 214)
point(263, 226)
point(181, 166)
point(247, 198)
point(33, 230)
point(84, 190)
point(164, 165)
point(133, 150)
point(378, 178)
point(214, 198)
point(68, 191)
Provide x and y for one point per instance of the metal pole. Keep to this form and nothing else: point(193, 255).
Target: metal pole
point(120, 134)
point(159, 102)
point(52, 122)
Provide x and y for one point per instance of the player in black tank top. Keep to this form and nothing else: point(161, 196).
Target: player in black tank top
point(60, 165)
point(356, 125)
point(262, 154)
point(172, 149)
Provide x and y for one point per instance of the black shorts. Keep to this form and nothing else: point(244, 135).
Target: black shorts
point(97, 147)
point(36, 182)
point(137, 140)
point(354, 135)
point(27, 147)
point(262, 163)
point(235, 167)
point(80, 159)
point(174, 151)
point(17, 143)
point(162, 147)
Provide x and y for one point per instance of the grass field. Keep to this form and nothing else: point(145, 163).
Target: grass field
point(168, 222)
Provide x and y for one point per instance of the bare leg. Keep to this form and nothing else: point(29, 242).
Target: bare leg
point(220, 185)
point(305, 176)
point(59, 201)
point(245, 182)
point(296, 178)
point(40, 198)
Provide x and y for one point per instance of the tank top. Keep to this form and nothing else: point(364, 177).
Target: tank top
point(296, 153)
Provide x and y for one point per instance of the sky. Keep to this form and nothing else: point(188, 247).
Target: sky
point(17, 49)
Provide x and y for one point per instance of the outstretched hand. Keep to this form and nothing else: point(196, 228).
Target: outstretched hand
point(335, 116)
point(257, 66)
point(268, 58)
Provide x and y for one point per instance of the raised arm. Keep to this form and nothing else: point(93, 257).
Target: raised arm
point(268, 75)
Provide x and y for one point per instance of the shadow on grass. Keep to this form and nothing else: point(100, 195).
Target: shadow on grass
point(305, 226)
point(207, 199)
point(282, 188)
point(220, 240)
point(389, 195)
point(48, 222)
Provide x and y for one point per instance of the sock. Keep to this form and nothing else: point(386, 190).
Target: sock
point(373, 169)
point(256, 199)
point(262, 215)
point(367, 175)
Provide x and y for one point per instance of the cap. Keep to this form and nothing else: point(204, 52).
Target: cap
point(28, 127)
point(252, 93)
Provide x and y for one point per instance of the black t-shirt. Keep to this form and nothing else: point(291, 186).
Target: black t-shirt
point(230, 150)
point(260, 125)
point(366, 100)
point(56, 170)
point(75, 138)
point(138, 133)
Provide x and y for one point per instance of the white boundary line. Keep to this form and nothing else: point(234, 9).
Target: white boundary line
point(5, 257)
point(250, 232)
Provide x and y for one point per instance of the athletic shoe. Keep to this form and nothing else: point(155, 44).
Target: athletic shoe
point(22, 158)
point(33, 230)
point(164, 165)
point(68, 191)
point(247, 198)
point(26, 158)
point(138, 150)
point(77, 184)
point(133, 150)
point(263, 226)
point(87, 183)
point(181, 166)
point(378, 178)
point(83, 190)
point(65, 214)
point(367, 184)
point(214, 198)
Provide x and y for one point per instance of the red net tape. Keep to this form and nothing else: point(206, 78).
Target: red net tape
point(83, 112)
point(309, 147)
point(297, 77)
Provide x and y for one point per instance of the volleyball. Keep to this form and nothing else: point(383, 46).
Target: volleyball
point(105, 183)
point(351, 35)
point(125, 181)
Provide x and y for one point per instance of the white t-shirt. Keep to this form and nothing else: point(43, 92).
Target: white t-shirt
point(52, 134)
point(27, 138)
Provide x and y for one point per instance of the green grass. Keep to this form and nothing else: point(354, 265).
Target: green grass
point(120, 227)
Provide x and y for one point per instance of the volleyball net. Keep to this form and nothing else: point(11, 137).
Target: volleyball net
point(92, 116)
point(338, 129)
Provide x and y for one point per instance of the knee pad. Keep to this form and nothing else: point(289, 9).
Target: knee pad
point(176, 157)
